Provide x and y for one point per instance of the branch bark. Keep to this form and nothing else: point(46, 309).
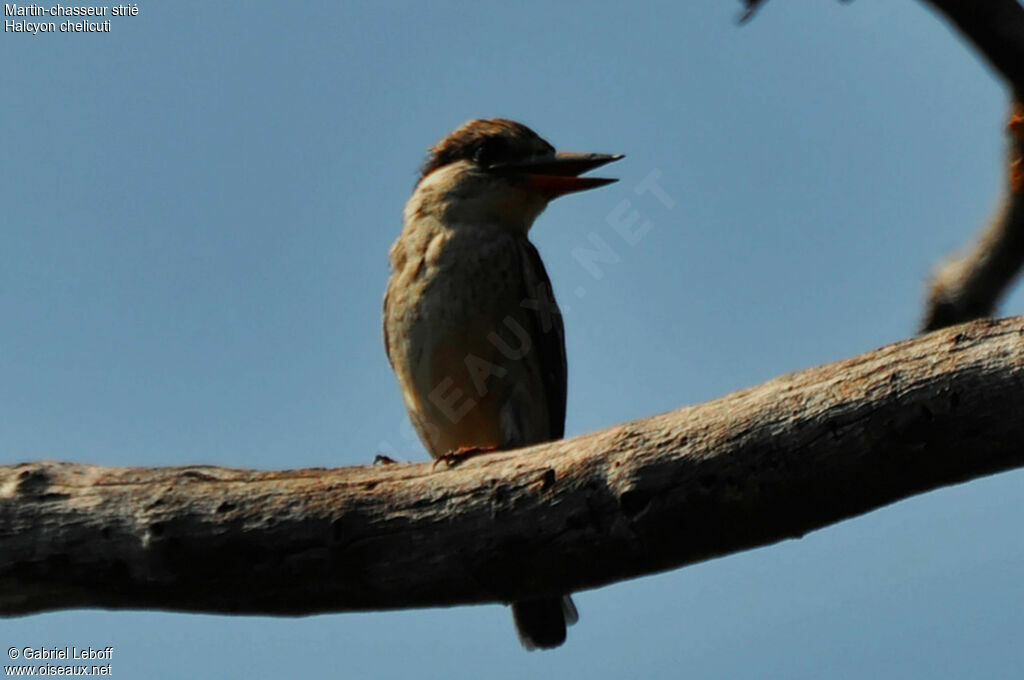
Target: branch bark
point(751, 468)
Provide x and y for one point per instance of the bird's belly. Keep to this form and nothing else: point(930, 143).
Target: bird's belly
point(465, 367)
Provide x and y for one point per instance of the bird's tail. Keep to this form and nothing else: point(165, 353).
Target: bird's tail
point(541, 623)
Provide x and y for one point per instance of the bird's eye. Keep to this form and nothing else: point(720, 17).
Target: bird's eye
point(490, 151)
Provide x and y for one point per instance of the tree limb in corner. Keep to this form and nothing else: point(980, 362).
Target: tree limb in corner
point(969, 286)
point(749, 469)
point(994, 27)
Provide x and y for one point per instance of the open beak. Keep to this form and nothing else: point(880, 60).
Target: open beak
point(560, 174)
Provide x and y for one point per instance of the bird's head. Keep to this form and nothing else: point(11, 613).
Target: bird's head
point(498, 171)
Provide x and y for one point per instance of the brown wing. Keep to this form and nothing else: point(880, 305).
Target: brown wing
point(548, 333)
point(384, 317)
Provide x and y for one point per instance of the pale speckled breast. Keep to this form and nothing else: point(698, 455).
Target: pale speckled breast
point(461, 342)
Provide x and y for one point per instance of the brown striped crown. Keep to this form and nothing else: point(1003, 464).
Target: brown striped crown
point(486, 142)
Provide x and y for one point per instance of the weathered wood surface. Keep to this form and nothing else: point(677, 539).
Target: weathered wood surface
point(754, 467)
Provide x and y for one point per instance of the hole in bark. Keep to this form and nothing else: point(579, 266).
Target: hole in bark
point(226, 507)
point(547, 479)
point(33, 482)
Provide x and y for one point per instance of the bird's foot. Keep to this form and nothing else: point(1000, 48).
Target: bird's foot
point(456, 456)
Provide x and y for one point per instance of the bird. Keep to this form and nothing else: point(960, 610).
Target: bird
point(471, 327)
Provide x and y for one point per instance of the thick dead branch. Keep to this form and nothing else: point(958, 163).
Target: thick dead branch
point(751, 468)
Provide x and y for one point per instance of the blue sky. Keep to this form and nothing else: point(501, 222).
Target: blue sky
point(197, 208)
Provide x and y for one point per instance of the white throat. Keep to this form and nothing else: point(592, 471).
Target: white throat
point(460, 196)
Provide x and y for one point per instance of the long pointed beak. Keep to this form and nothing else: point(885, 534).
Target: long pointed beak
point(559, 175)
